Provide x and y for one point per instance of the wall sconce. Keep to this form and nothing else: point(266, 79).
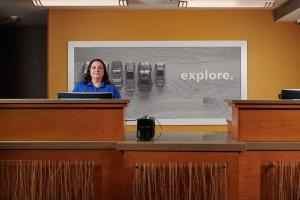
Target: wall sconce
point(80, 2)
point(226, 3)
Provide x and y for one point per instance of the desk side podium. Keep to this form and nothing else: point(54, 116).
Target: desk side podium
point(265, 120)
point(62, 120)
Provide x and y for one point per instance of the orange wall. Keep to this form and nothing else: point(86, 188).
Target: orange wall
point(273, 47)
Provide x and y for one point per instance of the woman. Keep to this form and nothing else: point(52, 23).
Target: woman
point(96, 80)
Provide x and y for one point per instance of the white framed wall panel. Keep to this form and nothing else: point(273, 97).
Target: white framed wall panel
point(199, 75)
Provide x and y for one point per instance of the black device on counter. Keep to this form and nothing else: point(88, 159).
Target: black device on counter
point(290, 94)
point(145, 128)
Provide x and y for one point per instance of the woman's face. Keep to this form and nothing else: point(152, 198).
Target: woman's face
point(97, 70)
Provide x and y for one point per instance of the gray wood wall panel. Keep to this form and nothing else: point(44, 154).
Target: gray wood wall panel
point(177, 99)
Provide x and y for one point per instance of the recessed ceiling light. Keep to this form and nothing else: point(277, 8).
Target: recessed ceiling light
point(80, 2)
point(227, 3)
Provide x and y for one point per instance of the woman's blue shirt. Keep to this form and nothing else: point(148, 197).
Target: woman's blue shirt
point(104, 87)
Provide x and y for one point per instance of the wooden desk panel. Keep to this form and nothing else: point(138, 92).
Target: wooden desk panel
point(108, 173)
point(269, 125)
point(231, 158)
point(251, 166)
point(277, 120)
point(62, 120)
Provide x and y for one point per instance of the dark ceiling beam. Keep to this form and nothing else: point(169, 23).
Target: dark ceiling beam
point(286, 9)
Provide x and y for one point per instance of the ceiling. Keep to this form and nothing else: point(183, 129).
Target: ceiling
point(28, 14)
point(173, 3)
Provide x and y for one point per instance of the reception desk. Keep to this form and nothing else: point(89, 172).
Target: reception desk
point(260, 144)
point(38, 120)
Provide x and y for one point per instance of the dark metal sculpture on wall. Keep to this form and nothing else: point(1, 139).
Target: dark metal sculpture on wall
point(116, 73)
point(144, 76)
point(84, 68)
point(129, 76)
point(160, 70)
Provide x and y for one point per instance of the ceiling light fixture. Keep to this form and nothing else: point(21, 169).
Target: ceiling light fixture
point(80, 2)
point(226, 3)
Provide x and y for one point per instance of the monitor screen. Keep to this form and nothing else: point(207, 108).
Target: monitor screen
point(290, 94)
point(84, 95)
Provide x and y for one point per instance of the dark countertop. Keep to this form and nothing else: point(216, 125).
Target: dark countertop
point(273, 146)
point(58, 145)
point(175, 141)
point(180, 141)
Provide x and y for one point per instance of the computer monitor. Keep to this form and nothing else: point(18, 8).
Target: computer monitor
point(84, 95)
point(290, 94)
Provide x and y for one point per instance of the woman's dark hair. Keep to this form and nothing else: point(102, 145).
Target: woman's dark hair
point(87, 76)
